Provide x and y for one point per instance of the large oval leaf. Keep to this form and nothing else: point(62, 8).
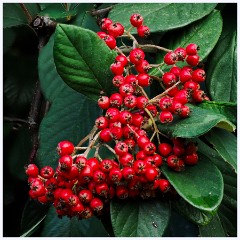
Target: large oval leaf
point(205, 33)
point(199, 122)
point(68, 113)
point(225, 143)
point(222, 71)
point(139, 218)
point(161, 17)
point(83, 60)
point(201, 185)
point(71, 227)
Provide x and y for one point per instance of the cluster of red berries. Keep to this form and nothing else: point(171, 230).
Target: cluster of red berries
point(110, 30)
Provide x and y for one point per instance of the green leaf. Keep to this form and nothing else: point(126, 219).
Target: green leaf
point(193, 214)
point(58, 11)
point(213, 229)
point(199, 122)
point(14, 16)
point(139, 218)
point(189, 184)
point(68, 113)
point(83, 60)
point(161, 17)
point(228, 208)
point(222, 65)
point(205, 33)
point(33, 214)
point(66, 227)
point(83, 18)
point(225, 143)
point(227, 109)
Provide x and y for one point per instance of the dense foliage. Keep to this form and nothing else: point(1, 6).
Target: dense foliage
point(52, 80)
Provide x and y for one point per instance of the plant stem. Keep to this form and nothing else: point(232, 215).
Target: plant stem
point(92, 132)
point(14, 119)
point(91, 143)
point(26, 12)
point(155, 46)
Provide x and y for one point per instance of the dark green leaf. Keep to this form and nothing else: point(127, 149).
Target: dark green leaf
point(205, 33)
point(222, 69)
point(33, 214)
point(199, 122)
point(136, 218)
point(225, 143)
point(14, 16)
point(8, 38)
point(84, 18)
point(225, 108)
point(189, 184)
point(66, 227)
point(213, 229)
point(58, 11)
point(83, 60)
point(228, 208)
point(195, 215)
point(161, 17)
point(68, 113)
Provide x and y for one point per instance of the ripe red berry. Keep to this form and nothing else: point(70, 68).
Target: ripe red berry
point(165, 103)
point(130, 101)
point(125, 117)
point(136, 56)
point(96, 204)
point(185, 111)
point(102, 189)
point(191, 148)
point(123, 59)
point(198, 75)
point(136, 20)
point(175, 70)
point(106, 165)
point(131, 79)
point(137, 119)
point(164, 185)
point(65, 148)
point(144, 79)
point(141, 102)
point(176, 107)
point(139, 166)
point(85, 196)
point(198, 96)
point(169, 79)
point(112, 114)
point(143, 31)
point(126, 160)
point(143, 66)
point(181, 53)
point(105, 135)
point(104, 102)
point(101, 122)
point(99, 176)
point(192, 60)
point(185, 75)
point(121, 192)
point(191, 159)
point(128, 173)
point(142, 141)
point(149, 148)
point(165, 149)
point(118, 80)
point(110, 41)
point(32, 170)
point(172, 92)
point(47, 172)
point(104, 24)
point(65, 163)
point(121, 148)
point(192, 49)
point(101, 34)
point(191, 86)
point(126, 89)
point(165, 117)
point(116, 100)
point(86, 174)
point(130, 143)
point(151, 173)
point(115, 29)
point(115, 175)
point(117, 68)
point(116, 132)
point(170, 58)
point(182, 96)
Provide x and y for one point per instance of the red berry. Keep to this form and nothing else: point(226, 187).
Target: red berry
point(86, 213)
point(126, 160)
point(130, 143)
point(130, 101)
point(121, 148)
point(65, 163)
point(141, 102)
point(192, 49)
point(136, 20)
point(101, 34)
point(112, 114)
point(139, 166)
point(115, 175)
point(191, 148)
point(191, 86)
point(65, 148)
point(131, 79)
point(152, 109)
point(123, 59)
point(128, 173)
point(164, 185)
point(176, 107)
point(104, 102)
point(143, 66)
point(165, 103)
point(143, 31)
point(116, 132)
point(165, 117)
point(121, 192)
point(185, 75)
point(126, 89)
point(78, 208)
point(185, 112)
point(136, 56)
point(105, 135)
point(110, 41)
point(198, 75)
point(149, 148)
point(191, 159)
point(86, 174)
point(102, 189)
point(170, 58)
point(192, 60)
point(104, 24)
point(175, 70)
point(101, 122)
point(117, 68)
point(80, 162)
point(32, 170)
point(181, 53)
point(115, 29)
point(125, 117)
point(182, 97)
point(142, 141)
point(151, 173)
point(116, 100)
point(137, 119)
point(144, 80)
point(158, 161)
point(47, 172)
point(93, 163)
point(165, 149)
point(106, 165)
point(118, 80)
point(169, 79)
point(172, 92)
point(96, 204)
point(178, 150)
point(99, 176)
point(198, 96)
point(172, 161)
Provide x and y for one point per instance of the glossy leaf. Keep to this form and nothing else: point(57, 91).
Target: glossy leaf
point(225, 143)
point(161, 17)
point(200, 122)
point(71, 227)
point(189, 184)
point(33, 214)
point(139, 218)
point(83, 60)
point(213, 229)
point(205, 33)
point(14, 16)
point(195, 215)
point(228, 208)
point(227, 109)
point(222, 70)
point(65, 118)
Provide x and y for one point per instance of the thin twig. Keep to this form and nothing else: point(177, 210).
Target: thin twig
point(92, 132)
point(14, 119)
point(26, 12)
point(91, 143)
point(120, 51)
point(155, 46)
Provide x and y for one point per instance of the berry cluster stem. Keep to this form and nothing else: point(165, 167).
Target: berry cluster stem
point(155, 46)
